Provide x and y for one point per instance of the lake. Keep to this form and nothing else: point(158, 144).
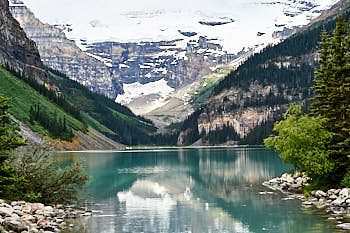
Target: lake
point(192, 190)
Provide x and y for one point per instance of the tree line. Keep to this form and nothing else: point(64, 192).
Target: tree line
point(56, 125)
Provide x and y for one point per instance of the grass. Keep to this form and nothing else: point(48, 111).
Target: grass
point(22, 96)
point(95, 124)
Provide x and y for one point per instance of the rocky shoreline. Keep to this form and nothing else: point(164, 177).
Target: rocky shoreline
point(21, 216)
point(334, 201)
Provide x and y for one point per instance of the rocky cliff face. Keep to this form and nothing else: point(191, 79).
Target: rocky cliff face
point(146, 62)
point(16, 50)
point(104, 67)
point(62, 54)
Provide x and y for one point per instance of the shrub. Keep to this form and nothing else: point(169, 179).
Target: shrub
point(46, 180)
point(303, 141)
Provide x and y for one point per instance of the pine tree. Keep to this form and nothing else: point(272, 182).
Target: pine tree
point(8, 139)
point(332, 89)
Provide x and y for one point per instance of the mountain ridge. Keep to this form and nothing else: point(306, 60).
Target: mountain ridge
point(244, 105)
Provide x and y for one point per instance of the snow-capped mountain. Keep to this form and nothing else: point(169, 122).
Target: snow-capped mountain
point(236, 23)
point(141, 52)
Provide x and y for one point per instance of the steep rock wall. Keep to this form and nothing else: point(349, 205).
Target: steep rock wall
point(64, 55)
point(16, 50)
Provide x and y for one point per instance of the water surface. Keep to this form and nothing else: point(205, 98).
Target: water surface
point(192, 190)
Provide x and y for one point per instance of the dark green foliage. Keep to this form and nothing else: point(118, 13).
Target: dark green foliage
point(190, 127)
point(46, 181)
point(257, 135)
point(11, 183)
point(74, 89)
point(222, 135)
point(56, 126)
point(9, 140)
point(332, 89)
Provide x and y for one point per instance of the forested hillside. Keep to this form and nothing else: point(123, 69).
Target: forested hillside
point(244, 105)
point(103, 114)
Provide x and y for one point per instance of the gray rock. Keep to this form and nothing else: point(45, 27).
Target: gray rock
point(320, 193)
point(15, 217)
point(48, 209)
point(338, 201)
point(307, 203)
point(331, 192)
point(7, 212)
point(16, 226)
point(39, 212)
point(16, 207)
point(345, 226)
point(344, 193)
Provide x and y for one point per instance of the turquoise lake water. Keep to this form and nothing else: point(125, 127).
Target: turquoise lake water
point(192, 190)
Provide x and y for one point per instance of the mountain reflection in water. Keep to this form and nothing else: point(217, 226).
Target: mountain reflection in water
point(191, 190)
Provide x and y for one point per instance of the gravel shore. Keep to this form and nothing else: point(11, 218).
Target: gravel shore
point(21, 216)
point(334, 201)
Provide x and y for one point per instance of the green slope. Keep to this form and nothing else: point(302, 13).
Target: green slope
point(104, 115)
point(22, 97)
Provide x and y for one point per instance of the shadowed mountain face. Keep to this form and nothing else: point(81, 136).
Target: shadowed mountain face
point(16, 50)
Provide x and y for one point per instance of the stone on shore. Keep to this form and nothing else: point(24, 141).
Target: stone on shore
point(24, 217)
point(335, 201)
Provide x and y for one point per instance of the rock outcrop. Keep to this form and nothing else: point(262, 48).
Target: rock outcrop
point(64, 55)
point(17, 52)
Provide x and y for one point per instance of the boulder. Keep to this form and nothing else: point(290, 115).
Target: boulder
point(6, 212)
point(344, 194)
point(28, 218)
point(38, 206)
point(15, 226)
point(345, 226)
point(48, 209)
point(320, 193)
point(338, 201)
point(27, 208)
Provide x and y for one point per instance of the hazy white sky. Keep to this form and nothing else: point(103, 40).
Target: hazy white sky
point(45, 9)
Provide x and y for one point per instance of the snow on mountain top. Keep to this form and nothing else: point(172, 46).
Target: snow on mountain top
point(235, 23)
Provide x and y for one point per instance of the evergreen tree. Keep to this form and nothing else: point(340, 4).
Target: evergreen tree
point(332, 89)
point(9, 141)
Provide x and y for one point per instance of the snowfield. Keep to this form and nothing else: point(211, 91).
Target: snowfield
point(239, 21)
point(133, 91)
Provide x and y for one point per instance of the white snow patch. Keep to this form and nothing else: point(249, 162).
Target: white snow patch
point(135, 90)
point(121, 66)
point(106, 61)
